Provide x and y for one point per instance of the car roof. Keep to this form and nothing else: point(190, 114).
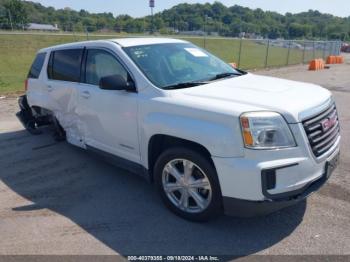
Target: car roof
point(124, 42)
point(137, 41)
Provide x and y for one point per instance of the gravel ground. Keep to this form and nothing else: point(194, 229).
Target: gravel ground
point(57, 199)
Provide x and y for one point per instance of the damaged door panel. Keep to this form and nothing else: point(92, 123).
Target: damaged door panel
point(63, 88)
point(64, 109)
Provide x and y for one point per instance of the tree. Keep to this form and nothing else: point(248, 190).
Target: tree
point(17, 13)
point(297, 30)
point(3, 18)
point(228, 21)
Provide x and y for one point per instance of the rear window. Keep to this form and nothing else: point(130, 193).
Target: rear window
point(37, 66)
point(65, 65)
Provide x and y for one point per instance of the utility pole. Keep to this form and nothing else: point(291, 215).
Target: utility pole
point(206, 31)
point(152, 5)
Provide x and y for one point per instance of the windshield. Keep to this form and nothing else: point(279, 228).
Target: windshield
point(174, 65)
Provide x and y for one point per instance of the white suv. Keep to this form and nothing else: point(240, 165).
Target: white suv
point(212, 138)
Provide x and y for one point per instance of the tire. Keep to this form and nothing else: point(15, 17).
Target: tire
point(197, 182)
point(59, 133)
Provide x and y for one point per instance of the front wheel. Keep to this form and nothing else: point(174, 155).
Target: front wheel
point(188, 184)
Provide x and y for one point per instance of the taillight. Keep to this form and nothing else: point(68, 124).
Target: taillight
point(26, 85)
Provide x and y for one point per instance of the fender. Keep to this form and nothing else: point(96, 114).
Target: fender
point(219, 139)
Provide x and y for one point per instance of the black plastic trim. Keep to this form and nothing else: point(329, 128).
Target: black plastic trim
point(270, 176)
point(83, 66)
point(120, 162)
point(244, 208)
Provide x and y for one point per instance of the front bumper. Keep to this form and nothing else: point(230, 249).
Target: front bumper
point(256, 185)
point(245, 208)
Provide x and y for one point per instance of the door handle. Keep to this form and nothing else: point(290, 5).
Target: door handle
point(85, 94)
point(49, 88)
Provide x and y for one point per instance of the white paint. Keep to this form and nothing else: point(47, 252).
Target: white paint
point(196, 52)
point(207, 114)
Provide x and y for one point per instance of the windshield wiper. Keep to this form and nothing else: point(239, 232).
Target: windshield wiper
point(198, 83)
point(224, 75)
point(186, 85)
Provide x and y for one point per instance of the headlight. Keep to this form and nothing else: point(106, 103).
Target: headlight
point(266, 130)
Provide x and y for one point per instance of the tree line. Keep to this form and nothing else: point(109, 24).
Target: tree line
point(213, 18)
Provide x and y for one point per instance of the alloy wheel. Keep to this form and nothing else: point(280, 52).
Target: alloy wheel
point(186, 185)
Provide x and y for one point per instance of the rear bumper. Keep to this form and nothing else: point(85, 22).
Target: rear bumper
point(245, 208)
point(30, 121)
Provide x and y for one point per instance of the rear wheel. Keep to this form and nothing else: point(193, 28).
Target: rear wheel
point(188, 184)
point(59, 132)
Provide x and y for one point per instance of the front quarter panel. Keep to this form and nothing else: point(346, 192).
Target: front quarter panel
point(219, 134)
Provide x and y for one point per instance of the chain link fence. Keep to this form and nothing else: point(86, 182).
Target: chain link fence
point(246, 53)
point(18, 49)
point(264, 53)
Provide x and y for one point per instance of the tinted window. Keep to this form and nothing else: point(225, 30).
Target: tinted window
point(65, 65)
point(99, 64)
point(37, 66)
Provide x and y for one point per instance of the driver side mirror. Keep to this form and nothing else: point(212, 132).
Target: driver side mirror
point(116, 82)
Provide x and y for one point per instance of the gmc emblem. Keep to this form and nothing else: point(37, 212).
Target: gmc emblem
point(329, 123)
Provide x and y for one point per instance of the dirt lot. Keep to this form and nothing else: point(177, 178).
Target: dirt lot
point(57, 199)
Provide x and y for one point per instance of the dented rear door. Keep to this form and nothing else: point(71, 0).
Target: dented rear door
point(64, 70)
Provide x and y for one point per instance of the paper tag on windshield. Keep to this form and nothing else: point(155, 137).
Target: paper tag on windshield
point(196, 52)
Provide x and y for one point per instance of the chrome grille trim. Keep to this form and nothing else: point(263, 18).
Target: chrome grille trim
point(322, 140)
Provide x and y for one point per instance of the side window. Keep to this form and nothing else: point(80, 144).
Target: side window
point(37, 66)
point(65, 65)
point(99, 64)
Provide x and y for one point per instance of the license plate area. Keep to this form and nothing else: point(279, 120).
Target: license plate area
point(332, 164)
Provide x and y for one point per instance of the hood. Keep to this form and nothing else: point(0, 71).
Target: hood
point(294, 100)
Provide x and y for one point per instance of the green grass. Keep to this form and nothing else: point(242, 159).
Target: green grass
point(18, 51)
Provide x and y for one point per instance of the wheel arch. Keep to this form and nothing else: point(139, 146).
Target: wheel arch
point(159, 143)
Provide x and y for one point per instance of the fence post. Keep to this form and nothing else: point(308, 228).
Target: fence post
point(75, 35)
point(324, 50)
point(87, 33)
point(332, 48)
point(303, 62)
point(240, 52)
point(288, 54)
point(335, 48)
point(267, 52)
point(313, 50)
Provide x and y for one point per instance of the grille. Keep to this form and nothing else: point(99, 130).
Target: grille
point(322, 130)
